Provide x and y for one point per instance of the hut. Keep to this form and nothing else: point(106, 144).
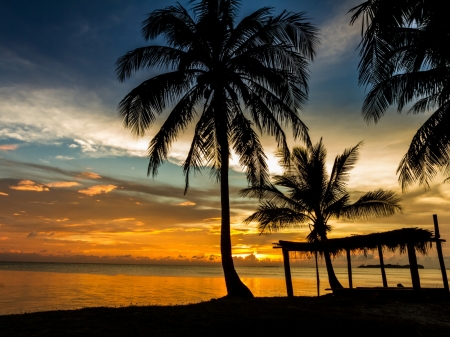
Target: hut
point(407, 240)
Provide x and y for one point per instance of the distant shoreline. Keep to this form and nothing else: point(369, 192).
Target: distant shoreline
point(395, 266)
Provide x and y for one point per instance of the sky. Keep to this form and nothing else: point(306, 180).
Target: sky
point(73, 180)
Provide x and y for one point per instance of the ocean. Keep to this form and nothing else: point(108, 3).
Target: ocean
point(30, 287)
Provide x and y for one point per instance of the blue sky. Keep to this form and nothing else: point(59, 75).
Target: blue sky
point(58, 124)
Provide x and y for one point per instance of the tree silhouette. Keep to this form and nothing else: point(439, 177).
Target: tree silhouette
point(228, 78)
point(405, 58)
point(309, 196)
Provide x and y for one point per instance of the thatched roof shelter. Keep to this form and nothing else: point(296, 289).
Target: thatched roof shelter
point(421, 239)
point(407, 240)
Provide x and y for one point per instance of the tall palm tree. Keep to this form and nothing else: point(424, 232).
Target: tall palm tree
point(228, 78)
point(309, 196)
point(405, 58)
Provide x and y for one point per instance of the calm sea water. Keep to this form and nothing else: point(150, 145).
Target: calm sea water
point(29, 287)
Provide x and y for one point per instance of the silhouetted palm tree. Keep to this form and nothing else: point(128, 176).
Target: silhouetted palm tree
point(241, 76)
point(405, 58)
point(309, 196)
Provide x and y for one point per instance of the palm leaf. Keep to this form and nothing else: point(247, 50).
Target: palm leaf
point(429, 149)
point(379, 203)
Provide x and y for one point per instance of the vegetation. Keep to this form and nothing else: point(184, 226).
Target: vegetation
point(405, 58)
point(230, 78)
point(309, 196)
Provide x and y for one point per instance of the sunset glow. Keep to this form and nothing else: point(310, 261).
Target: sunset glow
point(73, 180)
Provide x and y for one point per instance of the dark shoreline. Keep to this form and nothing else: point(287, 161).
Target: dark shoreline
point(277, 316)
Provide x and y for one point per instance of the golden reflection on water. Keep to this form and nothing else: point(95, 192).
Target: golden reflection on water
point(29, 291)
point(23, 291)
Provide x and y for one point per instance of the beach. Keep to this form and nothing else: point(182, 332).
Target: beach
point(307, 316)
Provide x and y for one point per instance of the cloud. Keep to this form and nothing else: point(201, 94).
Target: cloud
point(32, 235)
point(63, 184)
point(86, 146)
point(338, 39)
point(4, 194)
point(98, 189)
point(8, 147)
point(89, 175)
point(25, 116)
point(65, 158)
point(28, 185)
point(186, 203)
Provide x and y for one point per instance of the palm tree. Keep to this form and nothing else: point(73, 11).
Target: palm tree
point(229, 78)
point(309, 196)
point(405, 58)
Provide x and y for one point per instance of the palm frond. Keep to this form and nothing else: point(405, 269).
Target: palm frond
point(379, 203)
point(202, 147)
point(340, 173)
point(177, 121)
point(147, 57)
point(174, 22)
point(138, 109)
point(401, 89)
point(429, 150)
point(247, 146)
point(271, 218)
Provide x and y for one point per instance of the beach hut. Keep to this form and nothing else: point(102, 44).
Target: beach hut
point(407, 240)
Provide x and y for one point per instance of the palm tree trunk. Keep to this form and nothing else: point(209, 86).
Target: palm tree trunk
point(235, 287)
point(332, 279)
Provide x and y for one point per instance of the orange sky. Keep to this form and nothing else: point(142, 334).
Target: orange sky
point(73, 183)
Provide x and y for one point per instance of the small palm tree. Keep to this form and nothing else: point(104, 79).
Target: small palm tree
point(309, 196)
point(229, 78)
point(405, 58)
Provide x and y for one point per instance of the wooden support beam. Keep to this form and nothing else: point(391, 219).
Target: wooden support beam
point(383, 272)
point(439, 251)
point(287, 273)
point(413, 266)
point(349, 269)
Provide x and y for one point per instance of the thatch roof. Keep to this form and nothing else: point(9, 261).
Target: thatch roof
point(392, 240)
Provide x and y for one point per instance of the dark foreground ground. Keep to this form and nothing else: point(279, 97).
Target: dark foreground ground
point(299, 316)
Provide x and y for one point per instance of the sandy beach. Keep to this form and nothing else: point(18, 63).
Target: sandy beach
point(308, 316)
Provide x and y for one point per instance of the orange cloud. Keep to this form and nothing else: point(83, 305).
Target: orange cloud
point(5, 194)
point(90, 175)
point(8, 147)
point(98, 189)
point(63, 184)
point(28, 185)
point(124, 219)
point(186, 203)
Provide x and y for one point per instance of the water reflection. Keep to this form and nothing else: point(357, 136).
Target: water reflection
point(29, 291)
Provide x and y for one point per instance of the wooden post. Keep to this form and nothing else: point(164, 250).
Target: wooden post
point(383, 272)
point(287, 273)
point(439, 251)
point(349, 268)
point(413, 266)
point(317, 275)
